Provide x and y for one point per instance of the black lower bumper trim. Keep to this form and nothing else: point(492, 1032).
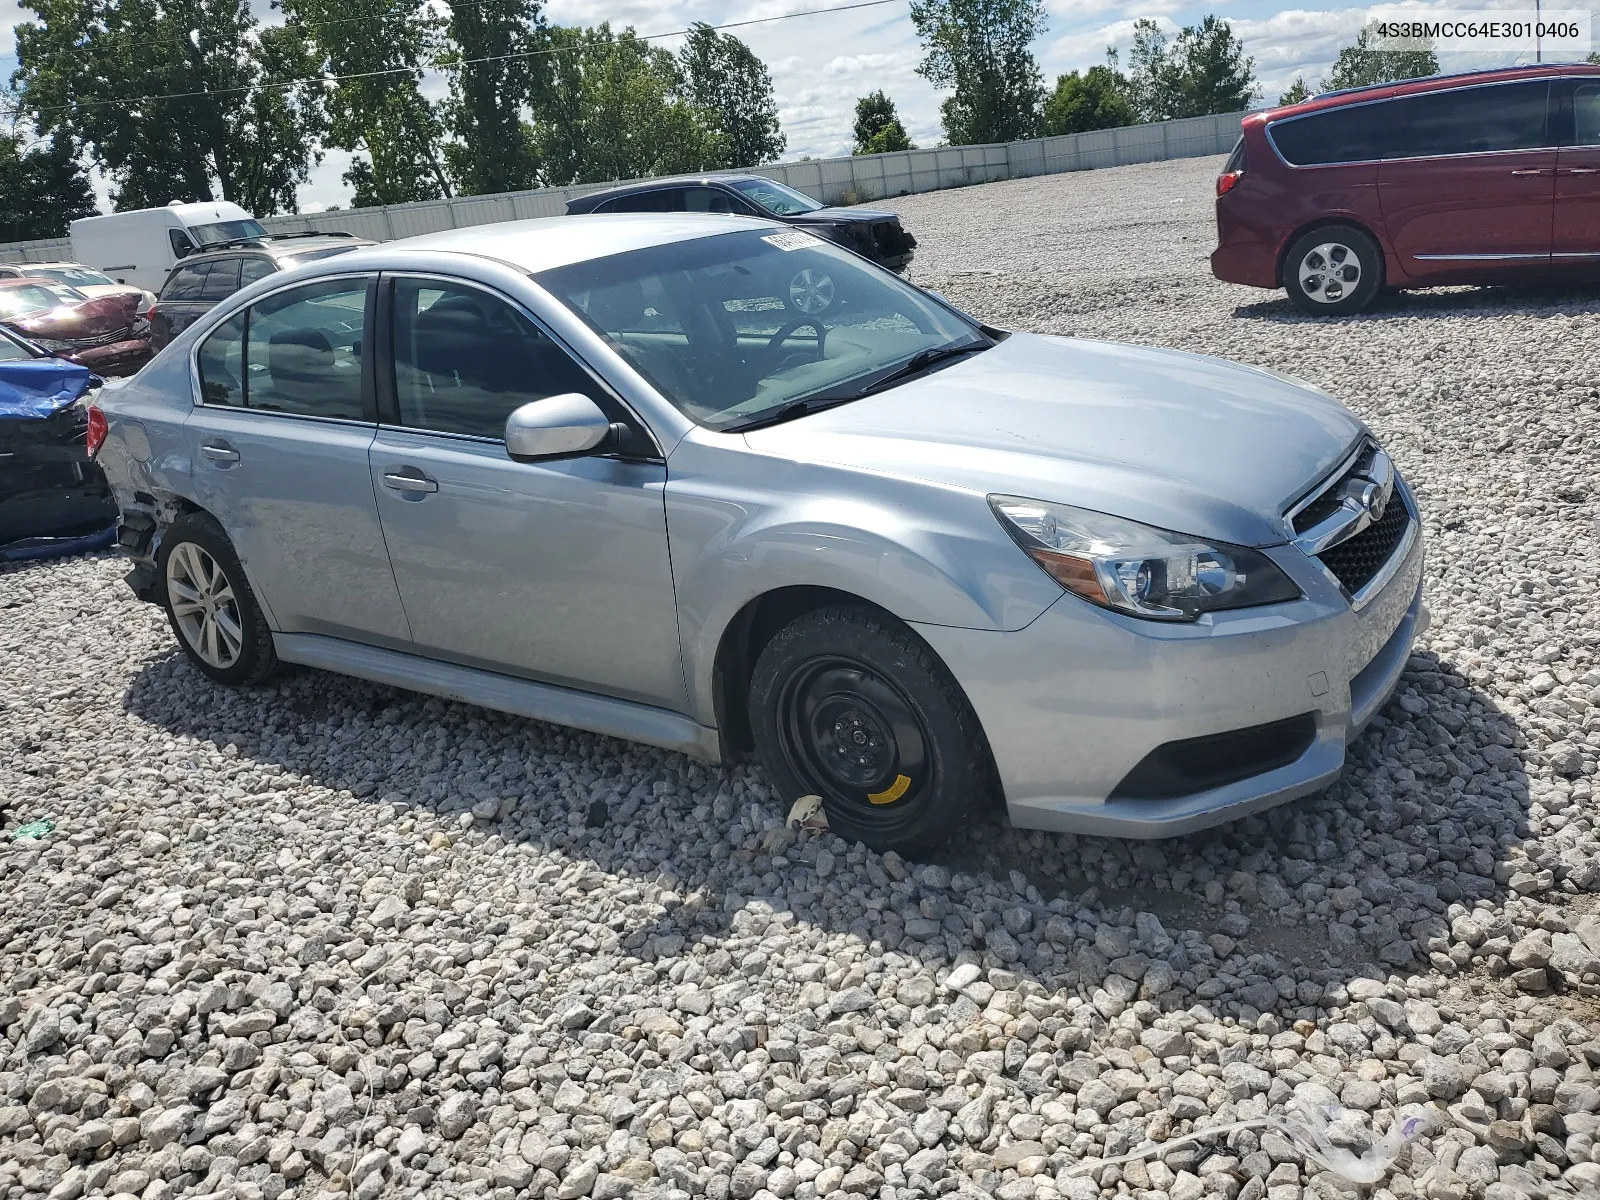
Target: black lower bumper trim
point(1199, 764)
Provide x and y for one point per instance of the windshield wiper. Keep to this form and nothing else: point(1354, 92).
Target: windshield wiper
point(789, 411)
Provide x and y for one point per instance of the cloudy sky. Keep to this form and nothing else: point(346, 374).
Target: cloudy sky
point(820, 64)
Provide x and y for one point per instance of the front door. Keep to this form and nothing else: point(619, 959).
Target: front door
point(1576, 241)
point(1467, 183)
point(279, 446)
point(553, 571)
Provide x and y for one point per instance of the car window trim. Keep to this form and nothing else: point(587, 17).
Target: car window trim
point(388, 396)
point(368, 402)
point(1549, 114)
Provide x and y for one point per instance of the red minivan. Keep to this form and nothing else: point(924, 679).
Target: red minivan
point(1487, 177)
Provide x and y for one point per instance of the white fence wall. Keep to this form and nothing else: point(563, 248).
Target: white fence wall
point(858, 179)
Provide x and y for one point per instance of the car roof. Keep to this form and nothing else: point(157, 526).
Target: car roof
point(547, 242)
point(277, 246)
point(56, 265)
point(650, 185)
point(1426, 83)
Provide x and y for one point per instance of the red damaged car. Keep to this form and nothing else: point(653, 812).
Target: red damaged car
point(1487, 177)
point(107, 334)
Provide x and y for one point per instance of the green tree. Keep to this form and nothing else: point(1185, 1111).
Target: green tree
point(616, 109)
point(878, 127)
point(1360, 65)
point(733, 90)
point(982, 49)
point(499, 69)
point(89, 70)
point(1297, 92)
point(377, 109)
point(1097, 99)
point(1201, 71)
point(43, 188)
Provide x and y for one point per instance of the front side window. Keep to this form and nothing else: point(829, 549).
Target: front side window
point(35, 296)
point(734, 327)
point(181, 245)
point(222, 280)
point(776, 197)
point(1480, 120)
point(465, 360)
point(705, 199)
point(1586, 114)
point(11, 351)
point(1339, 135)
point(186, 283)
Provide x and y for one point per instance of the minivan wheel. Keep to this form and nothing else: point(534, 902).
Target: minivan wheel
point(1333, 270)
point(849, 705)
point(210, 605)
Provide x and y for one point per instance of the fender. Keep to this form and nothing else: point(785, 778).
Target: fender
point(910, 549)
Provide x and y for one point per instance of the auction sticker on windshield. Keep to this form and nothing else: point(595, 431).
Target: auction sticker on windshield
point(794, 239)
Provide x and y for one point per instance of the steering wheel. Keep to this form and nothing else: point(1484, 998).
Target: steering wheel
point(775, 342)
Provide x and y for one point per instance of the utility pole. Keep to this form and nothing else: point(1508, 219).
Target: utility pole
point(1538, 42)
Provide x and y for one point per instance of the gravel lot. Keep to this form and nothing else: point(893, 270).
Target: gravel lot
point(330, 936)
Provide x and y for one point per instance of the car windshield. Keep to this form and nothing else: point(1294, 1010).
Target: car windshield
point(36, 296)
point(226, 231)
point(775, 197)
point(736, 327)
point(76, 276)
point(12, 350)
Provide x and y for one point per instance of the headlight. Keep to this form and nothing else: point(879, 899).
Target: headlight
point(1139, 569)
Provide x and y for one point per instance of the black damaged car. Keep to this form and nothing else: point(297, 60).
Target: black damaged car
point(54, 498)
point(870, 232)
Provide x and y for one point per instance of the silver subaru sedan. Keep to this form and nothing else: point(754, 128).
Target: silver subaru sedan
point(718, 485)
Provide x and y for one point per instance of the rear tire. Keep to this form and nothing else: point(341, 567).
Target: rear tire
point(212, 611)
point(1333, 271)
point(850, 705)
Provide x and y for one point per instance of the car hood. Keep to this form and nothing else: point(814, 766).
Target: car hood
point(100, 315)
point(861, 216)
point(1198, 445)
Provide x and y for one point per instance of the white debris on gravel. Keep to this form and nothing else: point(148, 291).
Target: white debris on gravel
point(327, 937)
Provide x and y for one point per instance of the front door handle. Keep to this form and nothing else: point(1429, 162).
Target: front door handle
point(1581, 170)
point(220, 452)
point(409, 483)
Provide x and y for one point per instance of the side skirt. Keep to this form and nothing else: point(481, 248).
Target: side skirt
point(504, 693)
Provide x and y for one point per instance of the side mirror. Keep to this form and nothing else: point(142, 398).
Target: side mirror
point(566, 426)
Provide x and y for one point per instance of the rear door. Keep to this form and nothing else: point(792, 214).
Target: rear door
point(1467, 184)
point(179, 303)
point(279, 444)
point(1576, 237)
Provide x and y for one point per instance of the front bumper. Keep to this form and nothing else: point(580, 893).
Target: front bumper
point(1075, 701)
point(118, 358)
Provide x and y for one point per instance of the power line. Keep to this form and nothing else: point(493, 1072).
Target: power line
point(466, 62)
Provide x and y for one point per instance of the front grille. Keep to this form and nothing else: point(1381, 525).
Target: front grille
point(100, 339)
point(1327, 501)
point(1200, 764)
point(1356, 561)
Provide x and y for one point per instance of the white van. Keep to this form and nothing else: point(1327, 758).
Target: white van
point(141, 246)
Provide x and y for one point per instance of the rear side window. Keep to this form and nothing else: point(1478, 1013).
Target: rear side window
point(1236, 160)
point(295, 352)
point(186, 283)
point(221, 362)
point(222, 280)
point(1481, 120)
point(255, 269)
point(665, 200)
point(1586, 114)
point(1340, 135)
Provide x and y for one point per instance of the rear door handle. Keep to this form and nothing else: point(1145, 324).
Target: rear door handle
point(417, 483)
point(220, 452)
point(1529, 171)
point(1581, 170)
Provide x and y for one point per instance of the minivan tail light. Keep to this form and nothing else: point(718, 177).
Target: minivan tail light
point(1227, 180)
point(96, 436)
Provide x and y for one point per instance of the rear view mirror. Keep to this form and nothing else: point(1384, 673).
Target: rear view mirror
point(564, 426)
